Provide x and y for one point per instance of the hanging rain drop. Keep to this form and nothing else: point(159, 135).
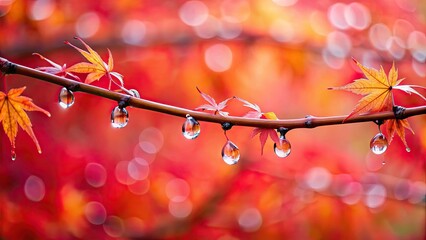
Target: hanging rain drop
point(13, 154)
point(191, 128)
point(283, 149)
point(66, 98)
point(230, 153)
point(119, 117)
point(379, 144)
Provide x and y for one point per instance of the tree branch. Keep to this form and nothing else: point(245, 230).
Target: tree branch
point(309, 121)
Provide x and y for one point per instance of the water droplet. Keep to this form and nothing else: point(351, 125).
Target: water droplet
point(135, 93)
point(384, 162)
point(119, 117)
point(408, 149)
point(379, 144)
point(66, 98)
point(230, 153)
point(191, 128)
point(283, 149)
point(13, 154)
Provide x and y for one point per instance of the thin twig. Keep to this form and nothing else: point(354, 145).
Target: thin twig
point(307, 122)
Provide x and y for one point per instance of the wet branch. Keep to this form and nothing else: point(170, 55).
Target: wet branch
point(309, 121)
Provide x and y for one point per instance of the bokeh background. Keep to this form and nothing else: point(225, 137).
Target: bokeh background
point(147, 181)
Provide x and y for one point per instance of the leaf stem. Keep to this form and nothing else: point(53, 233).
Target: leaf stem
point(12, 68)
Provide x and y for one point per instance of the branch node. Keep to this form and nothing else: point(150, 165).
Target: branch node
point(283, 130)
point(378, 122)
point(124, 102)
point(399, 112)
point(7, 67)
point(308, 121)
point(227, 126)
point(73, 87)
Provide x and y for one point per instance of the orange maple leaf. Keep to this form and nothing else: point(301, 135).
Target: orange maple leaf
point(377, 88)
point(398, 126)
point(12, 114)
point(96, 67)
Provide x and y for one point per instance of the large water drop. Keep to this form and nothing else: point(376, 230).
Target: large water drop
point(66, 98)
point(119, 117)
point(379, 144)
point(191, 128)
point(282, 149)
point(230, 153)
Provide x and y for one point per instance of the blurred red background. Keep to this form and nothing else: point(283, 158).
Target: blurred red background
point(146, 181)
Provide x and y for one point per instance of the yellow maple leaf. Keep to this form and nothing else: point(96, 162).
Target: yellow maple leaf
point(377, 88)
point(12, 114)
point(96, 67)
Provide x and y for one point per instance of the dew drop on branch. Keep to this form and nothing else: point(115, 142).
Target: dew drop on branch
point(119, 117)
point(66, 98)
point(282, 149)
point(379, 144)
point(191, 128)
point(230, 153)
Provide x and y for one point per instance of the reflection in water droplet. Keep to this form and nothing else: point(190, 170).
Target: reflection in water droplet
point(408, 149)
point(119, 117)
point(191, 128)
point(283, 149)
point(66, 98)
point(13, 154)
point(230, 153)
point(379, 144)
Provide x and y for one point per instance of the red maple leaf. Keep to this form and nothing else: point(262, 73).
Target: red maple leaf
point(212, 105)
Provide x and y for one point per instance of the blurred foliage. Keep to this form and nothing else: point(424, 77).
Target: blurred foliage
point(147, 181)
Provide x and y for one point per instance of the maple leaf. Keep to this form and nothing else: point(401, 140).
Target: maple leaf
point(96, 67)
point(398, 126)
point(377, 88)
point(12, 114)
point(55, 69)
point(213, 106)
point(263, 132)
